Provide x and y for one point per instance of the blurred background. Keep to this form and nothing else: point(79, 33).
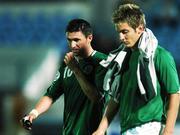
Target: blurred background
point(32, 44)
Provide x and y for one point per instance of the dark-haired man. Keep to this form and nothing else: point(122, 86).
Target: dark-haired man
point(80, 79)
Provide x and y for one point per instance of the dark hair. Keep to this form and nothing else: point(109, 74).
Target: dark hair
point(131, 14)
point(76, 25)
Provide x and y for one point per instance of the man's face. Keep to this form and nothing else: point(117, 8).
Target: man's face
point(78, 43)
point(127, 34)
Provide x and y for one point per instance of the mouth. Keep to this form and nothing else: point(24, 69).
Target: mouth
point(126, 42)
point(75, 51)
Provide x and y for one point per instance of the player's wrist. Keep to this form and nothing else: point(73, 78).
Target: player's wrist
point(168, 132)
point(101, 130)
point(34, 112)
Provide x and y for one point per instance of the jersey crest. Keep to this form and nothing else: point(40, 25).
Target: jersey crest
point(88, 69)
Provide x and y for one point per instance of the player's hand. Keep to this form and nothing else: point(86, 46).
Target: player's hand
point(27, 120)
point(26, 123)
point(70, 61)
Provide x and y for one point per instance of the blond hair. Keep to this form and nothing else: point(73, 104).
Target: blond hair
point(131, 14)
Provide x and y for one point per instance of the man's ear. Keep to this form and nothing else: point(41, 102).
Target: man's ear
point(140, 29)
point(90, 37)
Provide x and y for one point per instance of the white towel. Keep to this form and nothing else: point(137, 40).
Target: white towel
point(147, 46)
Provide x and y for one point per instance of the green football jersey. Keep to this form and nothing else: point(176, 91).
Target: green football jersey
point(81, 116)
point(133, 110)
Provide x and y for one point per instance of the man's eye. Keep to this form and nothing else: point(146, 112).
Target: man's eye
point(124, 31)
point(76, 40)
point(68, 40)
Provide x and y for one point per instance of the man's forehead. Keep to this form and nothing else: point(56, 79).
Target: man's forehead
point(122, 26)
point(74, 34)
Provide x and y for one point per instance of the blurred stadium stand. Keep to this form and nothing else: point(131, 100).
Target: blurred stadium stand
point(27, 30)
point(42, 29)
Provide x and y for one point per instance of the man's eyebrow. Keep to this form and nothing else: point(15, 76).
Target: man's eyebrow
point(73, 39)
point(123, 30)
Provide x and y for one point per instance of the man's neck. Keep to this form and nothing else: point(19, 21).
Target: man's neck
point(134, 47)
point(88, 52)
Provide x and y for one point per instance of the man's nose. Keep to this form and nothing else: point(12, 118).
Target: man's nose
point(72, 44)
point(121, 36)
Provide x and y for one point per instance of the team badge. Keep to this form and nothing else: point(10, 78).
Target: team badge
point(88, 69)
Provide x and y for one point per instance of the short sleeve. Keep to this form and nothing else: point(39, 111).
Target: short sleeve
point(166, 71)
point(55, 90)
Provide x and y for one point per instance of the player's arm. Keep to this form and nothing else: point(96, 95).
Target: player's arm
point(172, 114)
point(110, 112)
point(42, 106)
point(88, 88)
point(166, 70)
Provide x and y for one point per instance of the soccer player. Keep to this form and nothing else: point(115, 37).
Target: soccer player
point(80, 79)
point(141, 78)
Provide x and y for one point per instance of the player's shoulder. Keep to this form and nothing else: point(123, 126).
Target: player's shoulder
point(99, 55)
point(162, 53)
point(163, 57)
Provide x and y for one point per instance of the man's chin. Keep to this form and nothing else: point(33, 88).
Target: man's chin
point(128, 45)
